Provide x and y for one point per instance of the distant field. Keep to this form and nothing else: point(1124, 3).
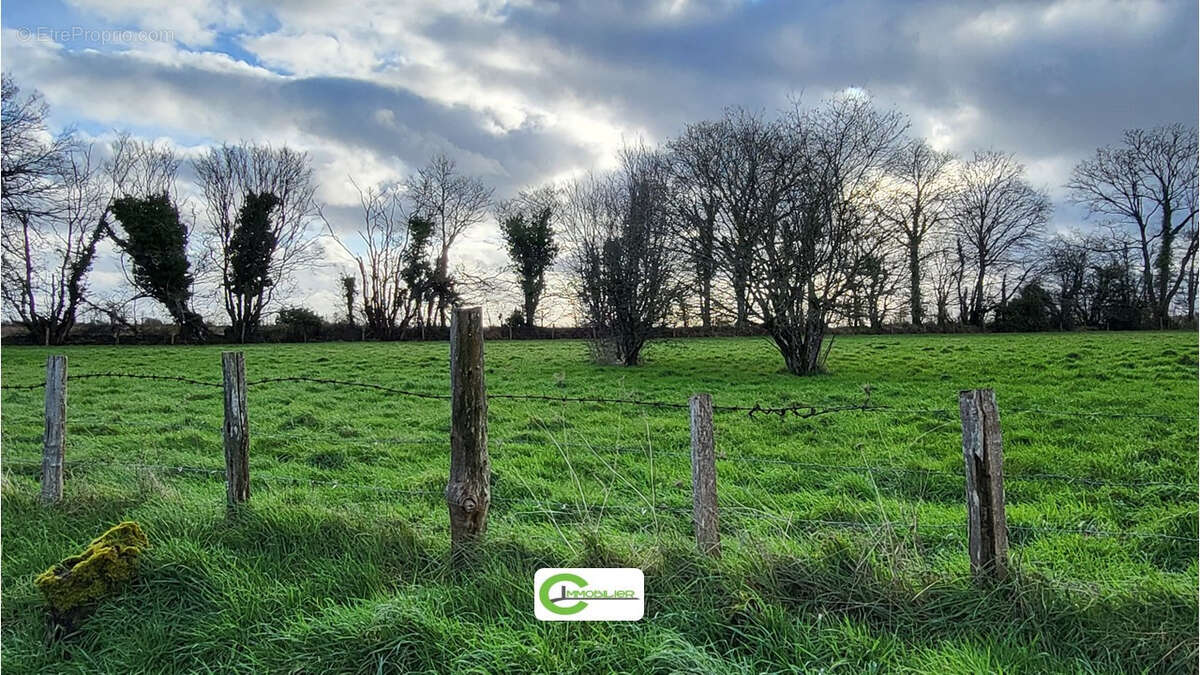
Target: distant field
point(338, 565)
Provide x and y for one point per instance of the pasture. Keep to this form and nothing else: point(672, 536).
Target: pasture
point(843, 533)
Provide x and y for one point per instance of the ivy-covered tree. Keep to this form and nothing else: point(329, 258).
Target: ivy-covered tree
point(349, 293)
point(454, 203)
point(394, 274)
point(531, 246)
point(228, 177)
point(251, 248)
point(155, 240)
point(415, 271)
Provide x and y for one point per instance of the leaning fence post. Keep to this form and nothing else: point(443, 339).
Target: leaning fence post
point(468, 492)
point(237, 428)
point(987, 527)
point(704, 475)
point(56, 429)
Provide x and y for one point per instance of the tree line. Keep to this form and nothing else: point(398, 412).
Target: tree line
point(794, 223)
point(833, 215)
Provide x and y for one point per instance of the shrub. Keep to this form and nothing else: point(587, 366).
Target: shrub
point(301, 323)
point(515, 320)
point(1032, 310)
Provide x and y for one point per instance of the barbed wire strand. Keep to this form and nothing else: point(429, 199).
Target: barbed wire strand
point(499, 444)
point(860, 468)
point(797, 410)
point(568, 506)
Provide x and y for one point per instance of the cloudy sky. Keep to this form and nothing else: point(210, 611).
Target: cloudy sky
point(528, 91)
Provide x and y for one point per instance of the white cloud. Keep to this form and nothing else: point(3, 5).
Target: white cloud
point(531, 91)
point(193, 22)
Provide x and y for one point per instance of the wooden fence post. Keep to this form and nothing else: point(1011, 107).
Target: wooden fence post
point(55, 437)
point(987, 527)
point(704, 475)
point(237, 428)
point(468, 492)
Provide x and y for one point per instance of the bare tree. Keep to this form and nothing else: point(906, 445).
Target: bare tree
point(49, 242)
point(491, 287)
point(945, 276)
point(1066, 263)
point(1151, 177)
point(997, 217)
point(453, 203)
point(229, 176)
point(873, 296)
point(807, 256)
point(1193, 277)
point(55, 199)
point(32, 156)
point(696, 163)
point(114, 309)
point(393, 268)
point(914, 205)
point(139, 168)
point(754, 175)
point(622, 264)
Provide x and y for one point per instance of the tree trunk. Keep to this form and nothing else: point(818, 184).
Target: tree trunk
point(914, 272)
point(742, 306)
point(191, 325)
point(801, 348)
point(1191, 295)
point(1148, 278)
point(531, 303)
point(1163, 263)
point(977, 301)
point(704, 269)
point(1067, 312)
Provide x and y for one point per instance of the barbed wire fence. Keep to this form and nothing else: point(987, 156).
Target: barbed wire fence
point(557, 506)
point(545, 506)
point(794, 410)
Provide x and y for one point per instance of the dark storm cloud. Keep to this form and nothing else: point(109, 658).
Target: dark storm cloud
point(395, 122)
point(1039, 92)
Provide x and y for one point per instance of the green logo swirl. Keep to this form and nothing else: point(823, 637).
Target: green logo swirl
point(548, 585)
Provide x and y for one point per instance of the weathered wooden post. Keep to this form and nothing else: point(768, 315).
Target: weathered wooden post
point(468, 492)
point(704, 475)
point(987, 528)
point(55, 437)
point(237, 428)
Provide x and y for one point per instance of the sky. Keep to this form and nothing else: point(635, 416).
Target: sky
point(525, 92)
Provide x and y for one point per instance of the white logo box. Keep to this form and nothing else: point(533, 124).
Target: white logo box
point(589, 594)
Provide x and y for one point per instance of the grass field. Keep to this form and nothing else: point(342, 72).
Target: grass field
point(843, 534)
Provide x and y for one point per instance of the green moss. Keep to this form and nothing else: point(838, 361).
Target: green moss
point(103, 568)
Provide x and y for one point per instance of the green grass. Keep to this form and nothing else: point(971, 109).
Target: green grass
point(339, 563)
